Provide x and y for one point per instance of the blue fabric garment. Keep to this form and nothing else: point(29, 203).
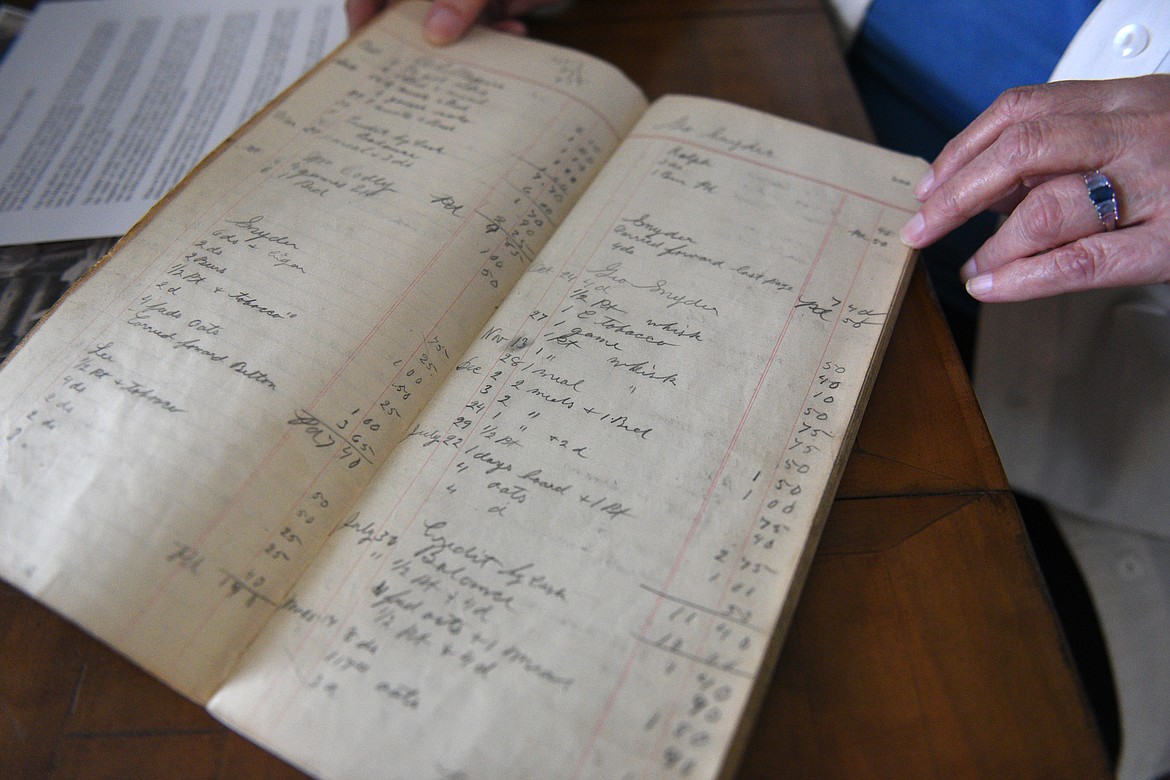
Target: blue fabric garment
point(949, 59)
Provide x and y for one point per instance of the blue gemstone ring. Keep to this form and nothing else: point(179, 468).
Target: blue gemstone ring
point(1103, 198)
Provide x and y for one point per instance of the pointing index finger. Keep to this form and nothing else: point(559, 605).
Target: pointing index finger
point(1020, 104)
point(1024, 155)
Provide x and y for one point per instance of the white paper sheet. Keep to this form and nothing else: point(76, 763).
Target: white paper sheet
point(105, 104)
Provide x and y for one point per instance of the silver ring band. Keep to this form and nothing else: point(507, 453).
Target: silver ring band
point(1103, 197)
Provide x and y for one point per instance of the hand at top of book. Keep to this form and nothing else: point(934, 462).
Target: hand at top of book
point(1067, 162)
point(448, 20)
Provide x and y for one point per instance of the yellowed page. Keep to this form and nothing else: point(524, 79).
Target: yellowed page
point(577, 561)
point(183, 433)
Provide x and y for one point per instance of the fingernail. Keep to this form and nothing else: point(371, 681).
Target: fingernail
point(979, 285)
point(925, 184)
point(912, 231)
point(968, 270)
point(442, 25)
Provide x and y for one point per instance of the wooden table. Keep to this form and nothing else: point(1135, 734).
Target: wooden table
point(923, 644)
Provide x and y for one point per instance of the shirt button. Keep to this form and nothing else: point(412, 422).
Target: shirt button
point(1131, 40)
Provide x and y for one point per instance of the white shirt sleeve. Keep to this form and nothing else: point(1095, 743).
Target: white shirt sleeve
point(1120, 38)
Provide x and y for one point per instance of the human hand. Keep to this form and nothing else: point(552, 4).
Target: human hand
point(448, 20)
point(1026, 156)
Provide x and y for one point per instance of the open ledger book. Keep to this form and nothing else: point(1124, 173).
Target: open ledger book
point(462, 415)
